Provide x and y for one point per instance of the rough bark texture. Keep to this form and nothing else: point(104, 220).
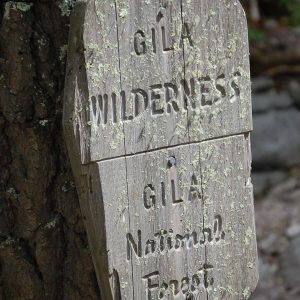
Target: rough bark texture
point(43, 246)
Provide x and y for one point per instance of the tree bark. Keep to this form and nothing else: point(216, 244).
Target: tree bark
point(43, 246)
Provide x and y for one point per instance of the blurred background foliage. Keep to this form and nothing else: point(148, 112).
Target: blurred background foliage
point(286, 12)
point(274, 30)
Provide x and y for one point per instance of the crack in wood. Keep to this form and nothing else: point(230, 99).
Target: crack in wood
point(171, 147)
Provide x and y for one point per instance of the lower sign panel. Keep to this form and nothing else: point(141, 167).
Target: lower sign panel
point(175, 223)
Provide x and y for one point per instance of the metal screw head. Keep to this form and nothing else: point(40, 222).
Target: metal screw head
point(171, 161)
point(161, 13)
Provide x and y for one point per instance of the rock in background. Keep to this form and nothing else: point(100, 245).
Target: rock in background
point(276, 118)
point(278, 231)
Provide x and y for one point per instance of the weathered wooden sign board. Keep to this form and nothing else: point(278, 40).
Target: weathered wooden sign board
point(157, 118)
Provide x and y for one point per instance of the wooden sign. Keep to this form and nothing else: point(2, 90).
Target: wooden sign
point(157, 118)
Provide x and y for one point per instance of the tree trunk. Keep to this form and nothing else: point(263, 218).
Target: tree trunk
point(43, 246)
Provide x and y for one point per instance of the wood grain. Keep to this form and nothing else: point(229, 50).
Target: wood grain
point(157, 118)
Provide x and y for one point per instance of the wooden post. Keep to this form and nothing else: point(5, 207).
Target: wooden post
point(157, 116)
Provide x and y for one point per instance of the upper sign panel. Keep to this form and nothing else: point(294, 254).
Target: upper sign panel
point(153, 74)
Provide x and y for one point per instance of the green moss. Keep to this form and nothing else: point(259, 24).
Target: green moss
point(66, 6)
point(63, 52)
point(123, 13)
point(7, 243)
point(52, 224)
point(246, 293)
point(21, 6)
